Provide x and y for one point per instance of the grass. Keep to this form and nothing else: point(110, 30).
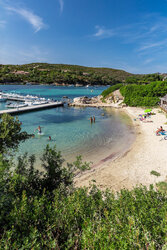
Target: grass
point(153, 172)
point(162, 186)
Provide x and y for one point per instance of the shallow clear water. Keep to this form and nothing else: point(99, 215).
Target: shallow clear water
point(70, 127)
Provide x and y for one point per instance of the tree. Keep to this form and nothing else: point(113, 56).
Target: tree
point(10, 133)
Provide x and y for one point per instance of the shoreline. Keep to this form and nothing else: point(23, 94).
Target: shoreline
point(133, 167)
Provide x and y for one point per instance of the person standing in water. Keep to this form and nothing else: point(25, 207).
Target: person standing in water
point(39, 130)
point(91, 120)
point(94, 119)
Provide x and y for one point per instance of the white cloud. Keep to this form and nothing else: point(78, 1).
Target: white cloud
point(147, 35)
point(28, 15)
point(102, 32)
point(61, 3)
point(152, 45)
point(149, 60)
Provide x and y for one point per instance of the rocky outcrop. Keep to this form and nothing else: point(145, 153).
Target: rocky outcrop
point(86, 100)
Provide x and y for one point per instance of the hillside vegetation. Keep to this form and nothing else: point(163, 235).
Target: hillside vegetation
point(143, 95)
point(60, 74)
point(68, 74)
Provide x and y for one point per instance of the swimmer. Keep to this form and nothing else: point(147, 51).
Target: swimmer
point(50, 138)
point(33, 136)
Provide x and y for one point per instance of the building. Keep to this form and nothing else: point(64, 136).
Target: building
point(164, 102)
point(20, 72)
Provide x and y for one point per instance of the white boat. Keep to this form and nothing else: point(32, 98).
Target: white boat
point(29, 103)
point(31, 97)
point(16, 106)
point(39, 102)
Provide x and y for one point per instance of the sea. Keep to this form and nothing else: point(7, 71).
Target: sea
point(70, 128)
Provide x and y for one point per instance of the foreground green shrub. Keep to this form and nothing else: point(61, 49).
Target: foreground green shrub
point(134, 219)
point(10, 134)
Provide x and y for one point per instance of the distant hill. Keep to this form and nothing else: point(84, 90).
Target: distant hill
point(63, 74)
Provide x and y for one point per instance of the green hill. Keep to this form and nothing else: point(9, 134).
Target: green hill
point(60, 74)
point(65, 74)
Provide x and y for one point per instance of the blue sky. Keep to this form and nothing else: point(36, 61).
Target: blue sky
point(129, 35)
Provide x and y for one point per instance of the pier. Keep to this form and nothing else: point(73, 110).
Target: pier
point(17, 111)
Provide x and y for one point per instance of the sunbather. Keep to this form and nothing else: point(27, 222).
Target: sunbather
point(159, 130)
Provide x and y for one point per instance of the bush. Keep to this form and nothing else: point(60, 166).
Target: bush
point(96, 220)
point(144, 95)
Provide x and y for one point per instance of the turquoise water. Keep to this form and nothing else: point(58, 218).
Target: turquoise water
point(70, 127)
point(56, 92)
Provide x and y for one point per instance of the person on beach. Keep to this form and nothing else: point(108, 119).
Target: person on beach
point(159, 130)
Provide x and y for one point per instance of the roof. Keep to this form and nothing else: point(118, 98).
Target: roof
point(164, 98)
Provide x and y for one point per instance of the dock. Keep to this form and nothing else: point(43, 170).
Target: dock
point(17, 111)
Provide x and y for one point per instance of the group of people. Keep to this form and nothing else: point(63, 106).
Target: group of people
point(143, 118)
point(92, 119)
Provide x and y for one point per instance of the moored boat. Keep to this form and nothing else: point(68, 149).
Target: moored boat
point(16, 106)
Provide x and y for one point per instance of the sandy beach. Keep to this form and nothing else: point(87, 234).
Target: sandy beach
point(148, 152)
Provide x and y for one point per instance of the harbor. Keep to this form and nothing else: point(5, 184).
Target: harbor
point(28, 103)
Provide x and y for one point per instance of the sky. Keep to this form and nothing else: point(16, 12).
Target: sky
point(129, 35)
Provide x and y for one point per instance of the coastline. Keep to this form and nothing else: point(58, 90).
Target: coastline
point(147, 153)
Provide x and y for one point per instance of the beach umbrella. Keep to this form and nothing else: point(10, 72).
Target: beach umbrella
point(147, 110)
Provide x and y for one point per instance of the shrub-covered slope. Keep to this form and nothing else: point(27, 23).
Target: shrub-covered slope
point(144, 95)
point(61, 73)
point(140, 94)
point(69, 74)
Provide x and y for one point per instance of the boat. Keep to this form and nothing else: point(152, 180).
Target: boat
point(29, 102)
point(16, 106)
point(39, 102)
